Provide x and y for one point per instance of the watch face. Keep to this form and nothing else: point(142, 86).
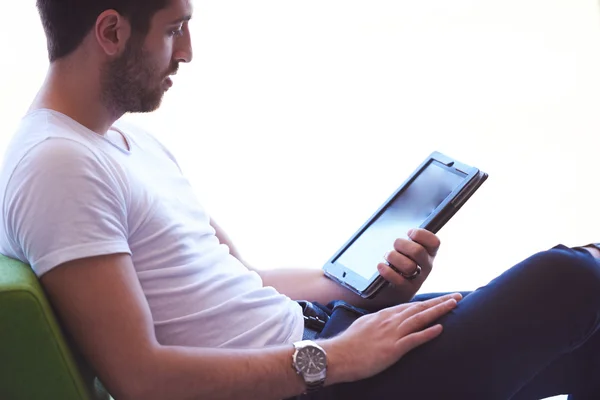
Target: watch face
point(311, 360)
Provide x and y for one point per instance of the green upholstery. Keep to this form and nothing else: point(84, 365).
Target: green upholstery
point(36, 361)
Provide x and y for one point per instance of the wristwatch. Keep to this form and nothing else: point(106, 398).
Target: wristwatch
point(310, 361)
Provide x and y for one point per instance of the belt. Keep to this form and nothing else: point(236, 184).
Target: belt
point(315, 319)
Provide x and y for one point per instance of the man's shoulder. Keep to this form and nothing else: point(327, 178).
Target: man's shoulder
point(49, 171)
point(35, 133)
point(36, 149)
point(44, 137)
point(55, 152)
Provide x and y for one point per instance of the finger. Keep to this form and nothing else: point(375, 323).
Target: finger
point(405, 316)
point(415, 321)
point(409, 342)
point(427, 303)
point(407, 254)
point(425, 238)
point(389, 274)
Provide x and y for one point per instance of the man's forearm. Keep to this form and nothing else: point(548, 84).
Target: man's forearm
point(593, 250)
point(313, 285)
point(192, 373)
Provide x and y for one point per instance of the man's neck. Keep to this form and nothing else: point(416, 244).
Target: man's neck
point(76, 94)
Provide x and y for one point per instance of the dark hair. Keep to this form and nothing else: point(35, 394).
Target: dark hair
point(67, 22)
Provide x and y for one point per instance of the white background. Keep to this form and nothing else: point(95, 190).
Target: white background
point(297, 119)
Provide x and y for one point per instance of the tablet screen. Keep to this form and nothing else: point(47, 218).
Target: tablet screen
point(409, 209)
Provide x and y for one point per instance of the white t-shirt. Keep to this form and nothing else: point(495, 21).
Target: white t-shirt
point(69, 193)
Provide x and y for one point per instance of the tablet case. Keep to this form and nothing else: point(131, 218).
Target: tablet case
point(474, 178)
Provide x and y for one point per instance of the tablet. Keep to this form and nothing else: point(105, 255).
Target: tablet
point(431, 195)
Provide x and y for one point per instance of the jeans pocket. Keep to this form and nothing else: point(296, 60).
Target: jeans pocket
point(342, 316)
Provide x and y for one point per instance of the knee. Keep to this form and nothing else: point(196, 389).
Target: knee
point(566, 272)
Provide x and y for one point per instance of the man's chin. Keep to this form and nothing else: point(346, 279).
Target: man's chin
point(148, 105)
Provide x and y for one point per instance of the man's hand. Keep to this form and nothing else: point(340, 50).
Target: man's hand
point(419, 250)
point(376, 341)
point(593, 251)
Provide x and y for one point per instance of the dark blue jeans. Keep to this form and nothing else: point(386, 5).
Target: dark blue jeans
point(531, 333)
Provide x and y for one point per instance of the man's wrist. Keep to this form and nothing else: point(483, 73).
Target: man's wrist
point(593, 249)
point(338, 369)
point(393, 295)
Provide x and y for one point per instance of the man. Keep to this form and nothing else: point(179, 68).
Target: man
point(160, 303)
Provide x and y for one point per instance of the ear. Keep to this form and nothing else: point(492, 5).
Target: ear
point(112, 32)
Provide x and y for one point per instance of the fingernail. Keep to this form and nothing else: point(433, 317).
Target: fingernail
point(385, 256)
point(410, 233)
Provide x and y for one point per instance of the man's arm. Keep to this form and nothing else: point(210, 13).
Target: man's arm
point(300, 283)
point(595, 251)
point(101, 304)
point(312, 284)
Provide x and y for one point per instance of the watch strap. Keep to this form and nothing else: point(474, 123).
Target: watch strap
point(312, 387)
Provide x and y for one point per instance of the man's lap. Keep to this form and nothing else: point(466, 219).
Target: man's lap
point(497, 338)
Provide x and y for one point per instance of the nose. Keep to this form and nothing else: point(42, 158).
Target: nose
point(183, 51)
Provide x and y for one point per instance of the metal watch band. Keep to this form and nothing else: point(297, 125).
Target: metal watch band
point(314, 386)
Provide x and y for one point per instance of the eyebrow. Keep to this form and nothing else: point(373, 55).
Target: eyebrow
point(180, 20)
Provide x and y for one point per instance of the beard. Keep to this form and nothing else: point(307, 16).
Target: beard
point(132, 83)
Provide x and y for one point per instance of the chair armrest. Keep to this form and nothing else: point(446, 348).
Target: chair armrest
point(37, 362)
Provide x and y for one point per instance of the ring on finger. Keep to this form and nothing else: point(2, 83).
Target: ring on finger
point(408, 277)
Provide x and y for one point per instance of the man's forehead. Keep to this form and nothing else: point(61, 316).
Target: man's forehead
point(178, 10)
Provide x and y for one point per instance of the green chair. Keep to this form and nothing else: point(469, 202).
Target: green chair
point(36, 361)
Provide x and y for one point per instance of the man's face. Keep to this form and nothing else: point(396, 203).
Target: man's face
point(136, 81)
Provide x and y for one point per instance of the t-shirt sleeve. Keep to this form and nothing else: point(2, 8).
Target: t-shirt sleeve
point(64, 202)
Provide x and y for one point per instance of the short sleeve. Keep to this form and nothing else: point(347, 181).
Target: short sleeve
point(64, 202)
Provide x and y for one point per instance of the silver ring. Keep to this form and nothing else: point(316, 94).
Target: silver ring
point(410, 277)
point(413, 275)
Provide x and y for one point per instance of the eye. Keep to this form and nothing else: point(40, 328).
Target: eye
point(176, 32)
